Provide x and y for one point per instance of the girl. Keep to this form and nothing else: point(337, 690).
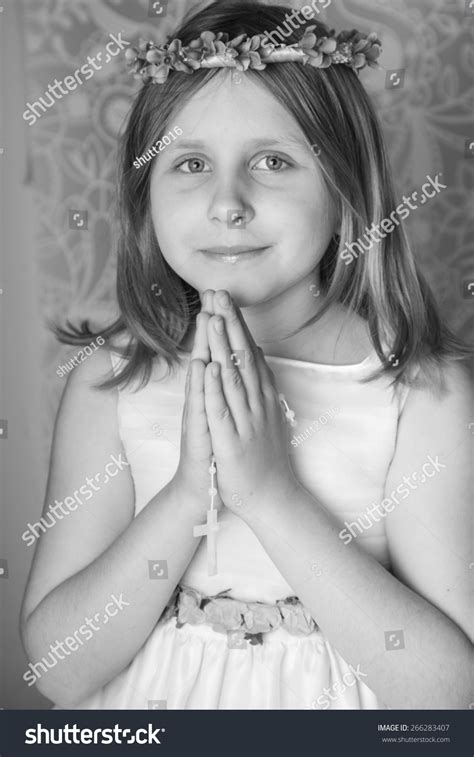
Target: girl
point(335, 573)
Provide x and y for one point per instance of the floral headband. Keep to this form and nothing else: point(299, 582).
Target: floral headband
point(152, 63)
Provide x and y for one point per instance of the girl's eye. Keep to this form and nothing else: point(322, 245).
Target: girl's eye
point(271, 163)
point(195, 165)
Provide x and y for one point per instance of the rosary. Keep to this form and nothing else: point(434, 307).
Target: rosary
point(211, 527)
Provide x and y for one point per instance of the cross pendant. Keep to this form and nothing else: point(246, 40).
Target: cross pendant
point(290, 415)
point(210, 530)
point(211, 526)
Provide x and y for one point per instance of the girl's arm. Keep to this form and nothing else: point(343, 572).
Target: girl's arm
point(406, 634)
point(98, 550)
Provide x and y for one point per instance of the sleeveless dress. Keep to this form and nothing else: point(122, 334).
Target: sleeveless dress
point(340, 450)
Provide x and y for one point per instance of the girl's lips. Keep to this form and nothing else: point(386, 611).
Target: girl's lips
point(233, 254)
point(236, 249)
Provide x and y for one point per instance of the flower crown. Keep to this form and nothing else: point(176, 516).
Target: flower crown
point(152, 63)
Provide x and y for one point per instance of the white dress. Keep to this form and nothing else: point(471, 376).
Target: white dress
point(340, 451)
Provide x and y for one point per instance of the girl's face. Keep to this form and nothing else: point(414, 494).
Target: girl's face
point(240, 152)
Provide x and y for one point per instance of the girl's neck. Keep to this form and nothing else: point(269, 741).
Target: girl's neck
point(338, 338)
point(271, 321)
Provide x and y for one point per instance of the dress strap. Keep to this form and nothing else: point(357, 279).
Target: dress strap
point(115, 360)
point(404, 389)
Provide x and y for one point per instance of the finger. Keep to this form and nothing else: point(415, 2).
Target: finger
point(221, 423)
point(242, 348)
point(231, 377)
point(201, 349)
point(195, 416)
point(184, 420)
point(221, 306)
point(207, 301)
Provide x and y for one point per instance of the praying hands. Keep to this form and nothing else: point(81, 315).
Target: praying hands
point(247, 427)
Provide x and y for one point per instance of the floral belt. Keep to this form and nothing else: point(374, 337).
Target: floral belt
point(240, 620)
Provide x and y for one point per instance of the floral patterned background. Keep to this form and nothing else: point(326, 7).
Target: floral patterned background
point(66, 162)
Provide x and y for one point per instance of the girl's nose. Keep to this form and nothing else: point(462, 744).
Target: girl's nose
point(230, 206)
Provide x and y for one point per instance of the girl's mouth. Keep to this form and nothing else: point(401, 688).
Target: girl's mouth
point(233, 254)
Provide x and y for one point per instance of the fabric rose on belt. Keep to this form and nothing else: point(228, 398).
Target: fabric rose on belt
point(261, 618)
point(188, 608)
point(224, 614)
point(296, 619)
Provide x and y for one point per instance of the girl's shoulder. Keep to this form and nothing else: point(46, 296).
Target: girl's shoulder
point(351, 342)
point(91, 371)
point(448, 381)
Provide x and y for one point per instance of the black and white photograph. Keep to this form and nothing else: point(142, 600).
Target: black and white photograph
point(236, 324)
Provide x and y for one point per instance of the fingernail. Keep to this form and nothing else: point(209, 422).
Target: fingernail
point(224, 300)
point(215, 369)
point(219, 325)
point(208, 299)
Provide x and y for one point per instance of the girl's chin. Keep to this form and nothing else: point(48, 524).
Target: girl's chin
point(241, 297)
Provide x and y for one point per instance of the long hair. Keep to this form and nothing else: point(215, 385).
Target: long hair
point(383, 286)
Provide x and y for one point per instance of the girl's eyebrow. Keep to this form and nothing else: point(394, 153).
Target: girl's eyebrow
point(193, 144)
